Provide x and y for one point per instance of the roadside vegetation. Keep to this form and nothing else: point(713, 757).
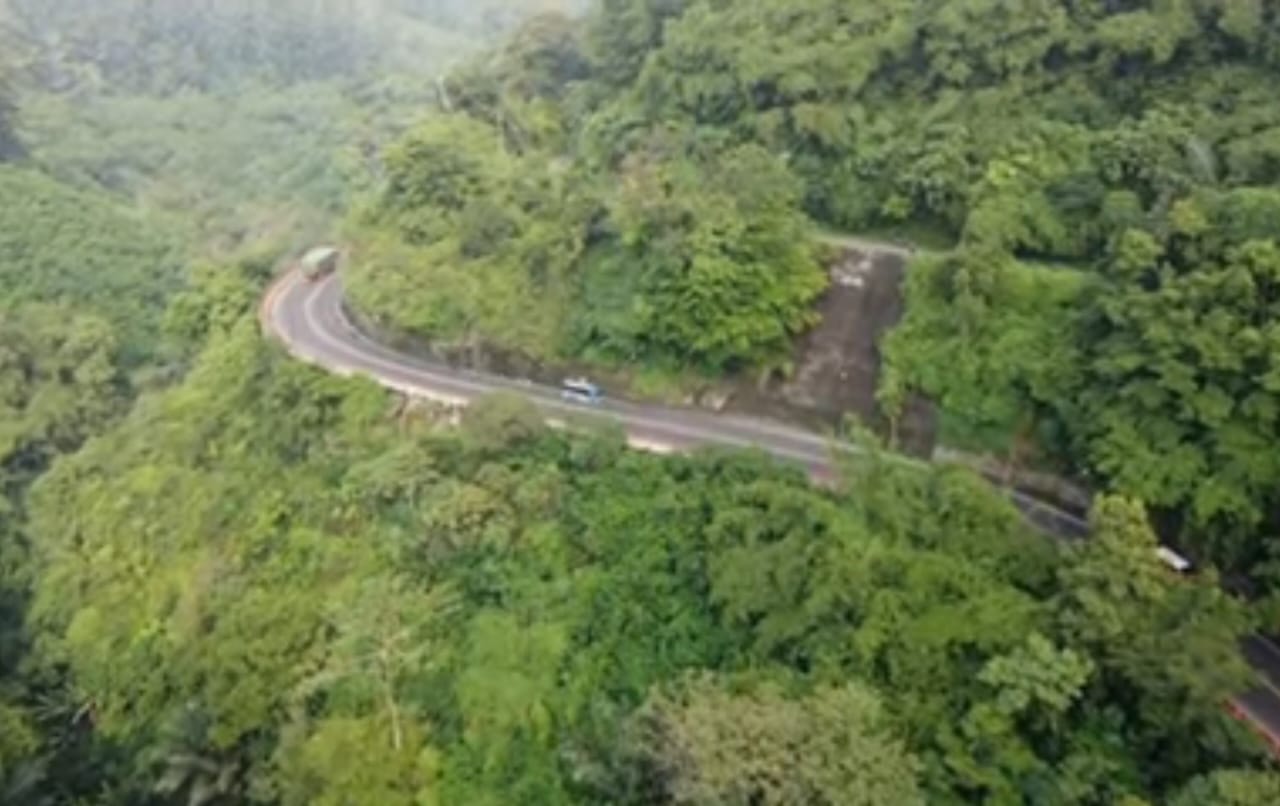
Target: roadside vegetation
point(226, 577)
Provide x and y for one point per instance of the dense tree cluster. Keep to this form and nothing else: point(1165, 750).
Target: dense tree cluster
point(689, 250)
point(1114, 280)
point(706, 257)
point(60, 383)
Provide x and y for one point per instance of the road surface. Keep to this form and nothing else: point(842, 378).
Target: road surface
point(308, 317)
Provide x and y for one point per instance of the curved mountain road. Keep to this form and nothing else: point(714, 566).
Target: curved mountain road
point(310, 320)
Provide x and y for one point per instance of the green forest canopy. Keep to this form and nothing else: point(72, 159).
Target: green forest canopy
point(257, 121)
point(266, 584)
point(639, 185)
point(59, 244)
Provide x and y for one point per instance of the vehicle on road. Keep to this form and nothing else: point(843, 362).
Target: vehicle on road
point(1174, 560)
point(579, 390)
point(319, 262)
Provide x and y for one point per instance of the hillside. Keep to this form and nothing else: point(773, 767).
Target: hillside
point(259, 122)
point(83, 249)
point(321, 595)
point(641, 187)
point(227, 577)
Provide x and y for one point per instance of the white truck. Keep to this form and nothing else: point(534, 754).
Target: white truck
point(319, 262)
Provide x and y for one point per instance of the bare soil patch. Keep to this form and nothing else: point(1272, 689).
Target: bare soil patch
point(836, 365)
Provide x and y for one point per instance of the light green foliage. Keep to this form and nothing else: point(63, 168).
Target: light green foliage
point(256, 163)
point(79, 248)
point(501, 423)
point(832, 747)
point(163, 48)
point(343, 760)
point(1039, 676)
point(237, 122)
point(1231, 788)
point(504, 692)
point(59, 384)
point(18, 742)
point(216, 298)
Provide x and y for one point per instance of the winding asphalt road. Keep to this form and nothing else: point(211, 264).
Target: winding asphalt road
point(309, 318)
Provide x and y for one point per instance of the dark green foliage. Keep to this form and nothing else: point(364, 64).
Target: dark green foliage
point(469, 242)
point(724, 271)
point(9, 145)
point(1182, 388)
point(60, 383)
point(1014, 369)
